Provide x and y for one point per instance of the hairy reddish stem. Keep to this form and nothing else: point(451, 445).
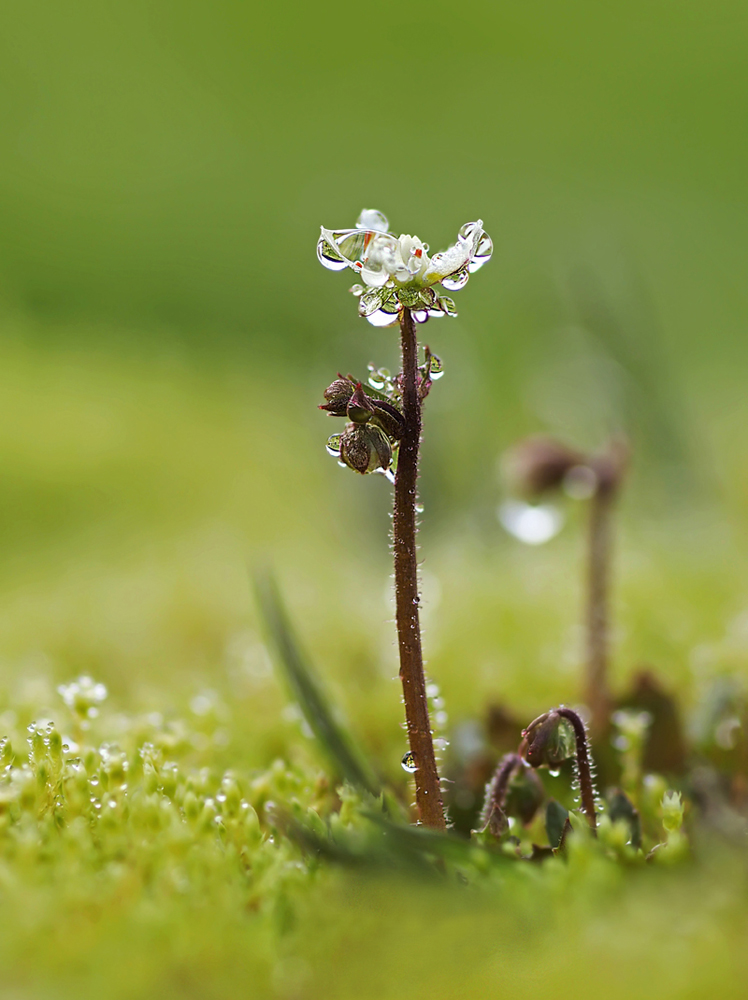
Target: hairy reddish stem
point(584, 769)
point(428, 789)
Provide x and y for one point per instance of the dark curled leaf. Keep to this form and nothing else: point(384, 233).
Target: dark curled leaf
point(622, 808)
point(307, 690)
point(556, 818)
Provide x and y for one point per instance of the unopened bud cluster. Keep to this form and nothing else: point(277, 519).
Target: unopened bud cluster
point(369, 441)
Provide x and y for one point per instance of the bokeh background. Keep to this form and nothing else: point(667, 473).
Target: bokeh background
point(166, 332)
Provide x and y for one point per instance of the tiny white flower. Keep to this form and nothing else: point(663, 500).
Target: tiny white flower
point(397, 272)
point(83, 696)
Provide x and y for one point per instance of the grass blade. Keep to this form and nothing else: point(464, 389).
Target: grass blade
point(307, 691)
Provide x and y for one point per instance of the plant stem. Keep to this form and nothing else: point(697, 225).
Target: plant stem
point(584, 770)
point(428, 790)
point(598, 585)
point(498, 786)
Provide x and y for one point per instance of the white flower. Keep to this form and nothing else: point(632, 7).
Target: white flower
point(82, 696)
point(397, 272)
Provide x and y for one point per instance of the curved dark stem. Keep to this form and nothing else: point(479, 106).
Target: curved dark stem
point(428, 790)
point(498, 786)
point(586, 784)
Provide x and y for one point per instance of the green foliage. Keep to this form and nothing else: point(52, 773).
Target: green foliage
point(144, 289)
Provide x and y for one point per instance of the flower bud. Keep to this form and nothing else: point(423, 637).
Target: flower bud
point(549, 741)
point(672, 811)
point(346, 398)
point(359, 408)
point(538, 464)
point(389, 418)
point(365, 448)
point(337, 394)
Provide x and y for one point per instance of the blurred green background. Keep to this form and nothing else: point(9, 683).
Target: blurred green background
point(166, 332)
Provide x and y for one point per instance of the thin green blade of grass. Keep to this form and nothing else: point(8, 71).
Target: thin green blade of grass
point(307, 690)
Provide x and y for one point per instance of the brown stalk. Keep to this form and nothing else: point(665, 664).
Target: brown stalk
point(428, 789)
point(609, 468)
point(597, 693)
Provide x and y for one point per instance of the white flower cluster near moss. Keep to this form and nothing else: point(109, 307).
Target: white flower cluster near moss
point(397, 272)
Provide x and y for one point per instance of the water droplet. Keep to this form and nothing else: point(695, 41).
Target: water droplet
point(457, 280)
point(333, 445)
point(329, 257)
point(382, 318)
point(483, 251)
point(419, 508)
point(408, 762)
point(554, 773)
point(432, 690)
point(437, 368)
point(379, 377)
point(532, 524)
point(371, 219)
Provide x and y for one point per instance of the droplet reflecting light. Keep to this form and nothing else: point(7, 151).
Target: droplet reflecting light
point(532, 524)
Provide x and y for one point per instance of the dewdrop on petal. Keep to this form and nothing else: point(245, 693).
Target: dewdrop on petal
point(397, 273)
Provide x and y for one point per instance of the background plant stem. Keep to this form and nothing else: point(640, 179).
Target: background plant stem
point(597, 693)
point(428, 790)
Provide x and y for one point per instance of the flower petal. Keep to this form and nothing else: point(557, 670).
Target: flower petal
point(483, 246)
point(382, 260)
point(337, 249)
point(460, 256)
